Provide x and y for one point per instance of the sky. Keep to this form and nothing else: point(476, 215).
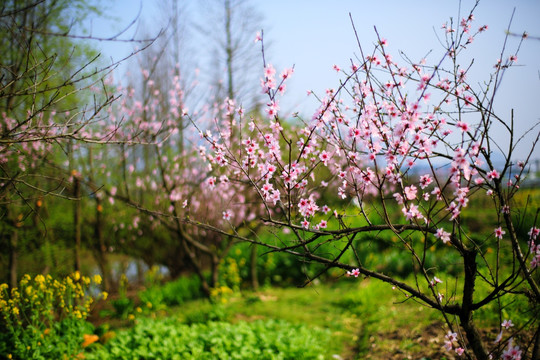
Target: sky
point(313, 35)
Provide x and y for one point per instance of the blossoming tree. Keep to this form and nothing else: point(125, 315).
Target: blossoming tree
point(400, 149)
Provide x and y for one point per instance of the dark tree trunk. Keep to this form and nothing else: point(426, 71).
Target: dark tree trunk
point(466, 316)
point(77, 221)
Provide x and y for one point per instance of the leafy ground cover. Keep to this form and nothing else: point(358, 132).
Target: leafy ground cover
point(170, 339)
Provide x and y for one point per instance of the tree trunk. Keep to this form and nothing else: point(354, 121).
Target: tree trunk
point(77, 221)
point(466, 321)
point(101, 248)
point(536, 348)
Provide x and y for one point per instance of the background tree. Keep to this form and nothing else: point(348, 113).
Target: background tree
point(229, 29)
point(154, 109)
point(46, 76)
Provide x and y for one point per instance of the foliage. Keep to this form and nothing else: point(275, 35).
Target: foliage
point(172, 293)
point(44, 318)
point(169, 339)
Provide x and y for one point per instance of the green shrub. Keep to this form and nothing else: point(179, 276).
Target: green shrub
point(172, 293)
point(202, 316)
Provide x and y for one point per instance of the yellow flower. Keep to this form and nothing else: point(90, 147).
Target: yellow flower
point(131, 317)
point(14, 293)
point(39, 279)
point(97, 279)
point(76, 276)
point(104, 295)
point(25, 279)
point(15, 310)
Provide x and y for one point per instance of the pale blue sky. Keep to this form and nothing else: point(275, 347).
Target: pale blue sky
point(313, 35)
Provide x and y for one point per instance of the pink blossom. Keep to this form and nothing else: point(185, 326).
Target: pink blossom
point(286, 73)
point(507, 324)
point(425, 180)
point(435, 281)
point(478, 181)
point(499, 232)
point(410, 192)
point(535, 262)
point(272, 109)
point(211, 182)
point(451, 336)
point(533, 233)
point(511, 352)
point(493, 174)
point(443, 235)
point(460, 351)
point(353, 272)
point(324, 156)
point(463, 126)
point(438, 193)
point(448, 345)
point(269, 71)
point(412, 213)
point(227, 215)
point(275, 196)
